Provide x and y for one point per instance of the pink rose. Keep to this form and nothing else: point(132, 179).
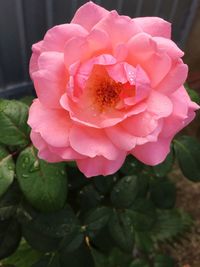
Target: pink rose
point(107, 86)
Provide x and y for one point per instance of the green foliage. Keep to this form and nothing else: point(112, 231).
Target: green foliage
point(97, 219)
point(10, 236)
point(163, 261)
point(161, 170)
point(193, 94)
point(131, 166)
point(163, 193)
point(170, 224)
point(63, 219)
point(13, 121)
point(7, 167)
point(125, 191)
point(43, 184)
point(142, 214)
point(9, 202)
point(24, 256)
point(139, 263)
point(188, 155)
point(121, 230)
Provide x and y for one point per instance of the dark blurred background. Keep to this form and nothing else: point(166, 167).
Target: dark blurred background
point(24, 22)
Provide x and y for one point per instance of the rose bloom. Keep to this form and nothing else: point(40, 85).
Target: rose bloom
point(107, 86)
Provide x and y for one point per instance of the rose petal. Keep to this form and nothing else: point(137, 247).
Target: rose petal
point(169, 47)
point(87, 116)
point(56, 38)
point(92, 142)
point(100, 165)
point(44, 151)
point(143, 50)
point(119, 28)
point(174, 79)
point(52, 124)
point(88, 15)
point(183, 113)
point(51, 78)
point(82, 48)
point(153, 153)
point(66, 153)
point(159, 104)
point(154, 26)
point(33, 66)
point(121, 138)
point(140, 125)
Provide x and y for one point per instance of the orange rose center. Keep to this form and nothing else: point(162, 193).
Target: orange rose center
point(104, 91)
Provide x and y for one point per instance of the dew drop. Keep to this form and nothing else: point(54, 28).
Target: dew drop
point(35, 166)
point(128, 179)
point(26, 160)
point(133, 164)
point(25, 175)
point(23, 165)
point(62, 172)
point(114, 178)
point(10, 168)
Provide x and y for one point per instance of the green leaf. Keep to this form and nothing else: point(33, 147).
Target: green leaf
point(143, 181)
point(60, 229)
point(103, 240)
point(139, 263)
point(43, 184)
point(193, 94)
point(170, 224)
point(9, 202)
point(13, 121)
point(131, 166)
point(163, 261)
point(52, 260)
point(143, 242)
point(79, 258)
point(187, 152)
point(121, 230)
point(125, 191)
point(100, 260)
point(89, 197)
point(28, 100)
point(39, 241)
point(97, 219)
point(119, 259)
point(104, 183)
point(76, 179)
point(163, 193)
point(142, 214)
point(165, 167)
point(24, 256)
point(61, 223)
point(72, 242)
point(10, 236)
point(7, 168)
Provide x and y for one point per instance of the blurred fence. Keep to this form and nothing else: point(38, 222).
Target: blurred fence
point(24, 22)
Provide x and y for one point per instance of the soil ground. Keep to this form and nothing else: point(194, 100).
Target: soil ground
point(187, 253)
